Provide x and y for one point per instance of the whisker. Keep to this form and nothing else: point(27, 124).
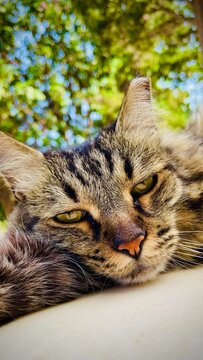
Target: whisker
point(188, 261)
point(178, 263)
point(86, 275)
point(190, 249)
point(191, 231)
point(191, 244)
point(190, 240)
point(188, 254)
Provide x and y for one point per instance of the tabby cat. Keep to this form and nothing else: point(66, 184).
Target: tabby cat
point(116, 210)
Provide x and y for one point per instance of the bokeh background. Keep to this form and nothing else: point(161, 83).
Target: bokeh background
point(65, 64)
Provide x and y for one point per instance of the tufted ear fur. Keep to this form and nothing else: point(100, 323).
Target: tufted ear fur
point(19, 164)
point(136, 111)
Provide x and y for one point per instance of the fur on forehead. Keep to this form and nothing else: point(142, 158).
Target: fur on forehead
point(137, 114)
point(21, 165)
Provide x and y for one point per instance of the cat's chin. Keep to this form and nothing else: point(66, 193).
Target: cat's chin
point(142, 274)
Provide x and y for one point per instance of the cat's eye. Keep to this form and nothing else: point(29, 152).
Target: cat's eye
point(145, 186)
point(70, 217)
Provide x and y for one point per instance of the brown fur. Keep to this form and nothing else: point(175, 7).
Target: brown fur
point(45, 262)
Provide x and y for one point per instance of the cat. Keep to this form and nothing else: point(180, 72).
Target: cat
point(117, 210)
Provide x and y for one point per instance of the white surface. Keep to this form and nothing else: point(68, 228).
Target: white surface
point(159, 320)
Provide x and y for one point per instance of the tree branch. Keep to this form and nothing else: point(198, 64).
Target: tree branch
point(198, 10)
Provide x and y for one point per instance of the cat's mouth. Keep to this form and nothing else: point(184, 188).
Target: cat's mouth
point(139, 272)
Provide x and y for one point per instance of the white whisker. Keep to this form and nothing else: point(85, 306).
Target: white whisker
point(191, 231)
point(188, 254)
point(179, 264)
point(190, 250)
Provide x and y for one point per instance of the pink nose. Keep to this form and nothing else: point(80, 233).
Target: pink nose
point(133, 247)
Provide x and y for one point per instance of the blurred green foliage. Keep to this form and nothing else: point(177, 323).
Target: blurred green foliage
point(2, 214)
point(64, 64)
point(3, 226)
point(2, 219)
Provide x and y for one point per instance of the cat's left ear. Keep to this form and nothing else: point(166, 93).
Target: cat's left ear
point(136, 112)
point(20, 165)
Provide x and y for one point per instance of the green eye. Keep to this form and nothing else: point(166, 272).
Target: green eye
point(145, 186)
point(70, 217)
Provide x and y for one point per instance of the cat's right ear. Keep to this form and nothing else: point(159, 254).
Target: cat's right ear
point(136, 114)
point(21, 165)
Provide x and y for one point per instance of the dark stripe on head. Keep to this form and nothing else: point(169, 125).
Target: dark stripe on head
point(106, 153)
point(95, 166)
point(72, 168)
point(81, 178)
point(70, 192)
point(71, 163)
point(128, 168)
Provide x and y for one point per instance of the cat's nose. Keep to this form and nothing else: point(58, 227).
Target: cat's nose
point(133, 247)
point(125, 235)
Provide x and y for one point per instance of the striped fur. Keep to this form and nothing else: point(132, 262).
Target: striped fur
point(44, 263)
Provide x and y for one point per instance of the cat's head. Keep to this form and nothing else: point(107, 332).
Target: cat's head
point(112, 201)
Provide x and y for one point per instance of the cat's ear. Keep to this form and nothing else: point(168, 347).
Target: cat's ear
point(21, 165)
point(136, 111)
